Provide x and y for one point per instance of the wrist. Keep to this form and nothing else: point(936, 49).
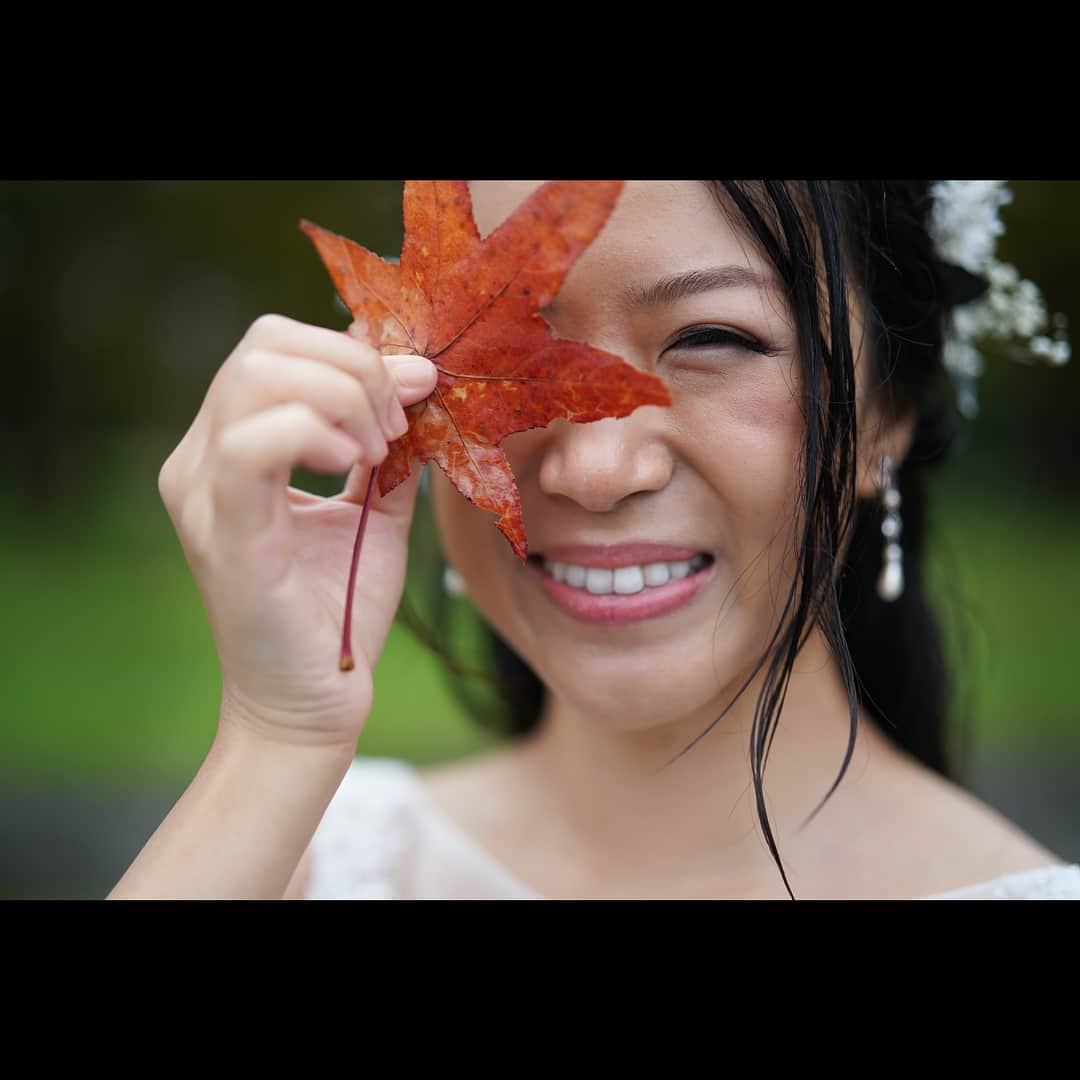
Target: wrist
point(244, 822)
point(266, 729)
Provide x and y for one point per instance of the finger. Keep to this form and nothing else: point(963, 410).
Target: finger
point(415, 377)
point(398, 504)
point(262, 380)
point(355, 485)
point(352, 354)
point(279, 333)
point(254, 459)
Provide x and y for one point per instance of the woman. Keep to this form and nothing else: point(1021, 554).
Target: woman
point(701, 597)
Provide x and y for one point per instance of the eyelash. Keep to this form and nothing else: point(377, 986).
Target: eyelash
point(715, 336)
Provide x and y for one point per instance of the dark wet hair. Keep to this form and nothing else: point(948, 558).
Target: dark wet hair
point(824, 237)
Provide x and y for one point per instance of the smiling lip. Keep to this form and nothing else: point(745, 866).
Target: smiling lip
point(612, 556)
point(613, 608)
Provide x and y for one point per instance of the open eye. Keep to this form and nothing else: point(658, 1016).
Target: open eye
point(705, 336)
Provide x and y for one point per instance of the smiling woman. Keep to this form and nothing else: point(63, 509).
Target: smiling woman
point(710, 491)
point(701, 599)
point(719, 561)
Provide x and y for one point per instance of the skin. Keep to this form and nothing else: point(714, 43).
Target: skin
point(716, 472)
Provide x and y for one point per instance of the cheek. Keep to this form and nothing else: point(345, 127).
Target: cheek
point(455, 519)
point(746, 440)
point(746, 432)
point(472, 545)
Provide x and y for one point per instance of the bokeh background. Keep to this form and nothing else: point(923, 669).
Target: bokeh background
point(119, 301)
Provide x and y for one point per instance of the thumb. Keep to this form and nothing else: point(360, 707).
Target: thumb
point(400, 503)
point(414, 375)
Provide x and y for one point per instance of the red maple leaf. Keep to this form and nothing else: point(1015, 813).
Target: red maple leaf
point(471, 307)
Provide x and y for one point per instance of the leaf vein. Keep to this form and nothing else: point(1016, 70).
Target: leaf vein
point(367, 285)
point(464, 441)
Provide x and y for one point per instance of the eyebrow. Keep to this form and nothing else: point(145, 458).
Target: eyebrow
point(676, 287)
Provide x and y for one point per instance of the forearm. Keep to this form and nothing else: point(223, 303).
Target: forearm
point(240, 828)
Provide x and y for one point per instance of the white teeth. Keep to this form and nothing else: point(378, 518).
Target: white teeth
point(598, 581)
point(657, 573)
point(628, 580)
point(624, 580)
point(575, 575)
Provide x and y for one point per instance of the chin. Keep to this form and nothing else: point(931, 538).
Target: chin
point(680, 686)
point(621, 696)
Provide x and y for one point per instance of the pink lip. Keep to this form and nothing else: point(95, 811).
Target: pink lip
point(650, 603)
point(612, 556)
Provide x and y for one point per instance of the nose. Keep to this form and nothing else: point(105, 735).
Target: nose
point(600, 464)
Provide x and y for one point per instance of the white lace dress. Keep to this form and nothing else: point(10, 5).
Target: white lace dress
point(383, 838)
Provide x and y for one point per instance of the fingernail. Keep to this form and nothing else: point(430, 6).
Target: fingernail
point(415, 374)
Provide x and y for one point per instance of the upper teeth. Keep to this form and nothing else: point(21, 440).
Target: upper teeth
point(624, 580)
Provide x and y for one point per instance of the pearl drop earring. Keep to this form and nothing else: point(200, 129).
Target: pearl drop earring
point(890, 584)
point(453, 582)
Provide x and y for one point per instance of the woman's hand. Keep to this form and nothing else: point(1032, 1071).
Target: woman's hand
point(271, 561)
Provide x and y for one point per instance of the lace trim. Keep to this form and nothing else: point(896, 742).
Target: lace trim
point(364, 837)
point(368, 835)
point(1042, 883)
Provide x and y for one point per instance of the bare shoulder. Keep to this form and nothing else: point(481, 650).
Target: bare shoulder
point(956, 838)
point(920, 834)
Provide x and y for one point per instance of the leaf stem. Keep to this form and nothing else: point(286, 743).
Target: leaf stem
point(346, 662)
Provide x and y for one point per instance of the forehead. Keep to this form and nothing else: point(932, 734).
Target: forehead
point(657, 226)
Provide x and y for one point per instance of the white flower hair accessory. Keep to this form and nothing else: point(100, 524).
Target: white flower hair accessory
point(964, 226)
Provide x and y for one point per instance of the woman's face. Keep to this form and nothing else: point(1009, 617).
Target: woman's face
point(711, 480)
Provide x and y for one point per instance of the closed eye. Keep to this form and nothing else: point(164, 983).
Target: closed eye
point(710, 335)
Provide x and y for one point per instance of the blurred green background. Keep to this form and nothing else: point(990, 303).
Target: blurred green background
point(120, 300)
